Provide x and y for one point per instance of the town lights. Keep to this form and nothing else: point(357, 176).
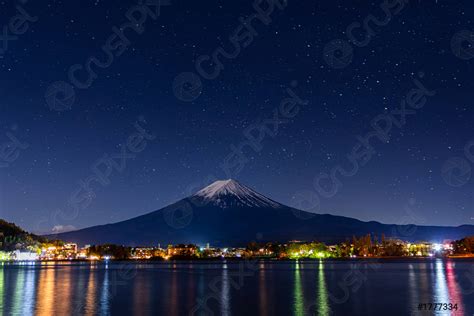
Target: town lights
point(437, 247)
point(448, 247)
point(4, 256)
point(24, 256)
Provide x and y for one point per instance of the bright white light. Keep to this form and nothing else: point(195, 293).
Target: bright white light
point(437, 247)
point(25, 256)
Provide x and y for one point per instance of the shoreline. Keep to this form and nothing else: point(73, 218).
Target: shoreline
point(224, 260)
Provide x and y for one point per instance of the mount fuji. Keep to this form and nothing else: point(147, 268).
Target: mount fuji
point(227, 213)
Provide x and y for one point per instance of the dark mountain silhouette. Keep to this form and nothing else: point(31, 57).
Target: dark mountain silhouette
point(227, 213)
point(12, 236)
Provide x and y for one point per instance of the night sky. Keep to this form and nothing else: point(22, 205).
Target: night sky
point(182, 120)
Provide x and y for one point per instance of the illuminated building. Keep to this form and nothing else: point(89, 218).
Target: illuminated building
point(19, 255)
point(66, 252)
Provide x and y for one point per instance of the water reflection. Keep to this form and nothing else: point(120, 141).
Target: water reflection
point(413, 285)
point(92, 289)
point(323, 303)
point(191, 289)
point(105, 294)
point(90, 303)
point(453, 287)
point(172, 308)
point(225, 293)
point(441, 289)
point(64, 286)
point(262, 293)
point(425, 286)
point(298, 292)
point(141, 295)
point(1, 288)
point(201, 287)
point(46, 290)
point(18, 292)
point(29, 289)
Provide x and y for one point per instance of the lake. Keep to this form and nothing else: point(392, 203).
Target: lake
point(329, 287)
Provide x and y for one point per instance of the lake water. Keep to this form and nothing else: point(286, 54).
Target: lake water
point(375, 287)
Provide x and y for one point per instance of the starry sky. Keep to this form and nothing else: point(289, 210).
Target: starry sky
point(50, 141)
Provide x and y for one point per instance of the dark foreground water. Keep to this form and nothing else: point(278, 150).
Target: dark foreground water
point(377, 287)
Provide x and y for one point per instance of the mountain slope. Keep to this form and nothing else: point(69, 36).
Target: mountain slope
point(227, 213)
point(11, 235)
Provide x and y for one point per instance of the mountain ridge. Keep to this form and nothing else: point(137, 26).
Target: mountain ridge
point(227, 213)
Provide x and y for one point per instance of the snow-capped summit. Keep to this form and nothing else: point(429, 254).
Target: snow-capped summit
point(226, 193)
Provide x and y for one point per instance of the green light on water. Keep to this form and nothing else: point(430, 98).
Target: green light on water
point(1, 289)
point(298, 293)
point(323, 303)
point(19, 291)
